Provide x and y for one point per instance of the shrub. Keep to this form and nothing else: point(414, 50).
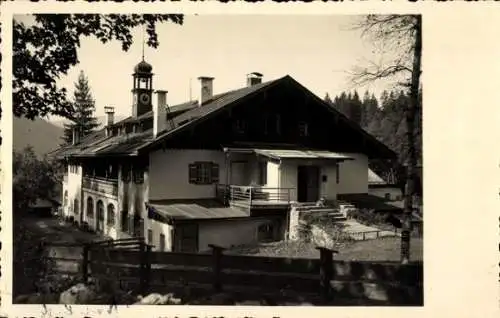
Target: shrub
point(367, 217)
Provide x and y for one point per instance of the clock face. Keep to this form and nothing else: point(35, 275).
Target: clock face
point(144, 98)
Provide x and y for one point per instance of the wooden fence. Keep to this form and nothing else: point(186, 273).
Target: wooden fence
point(132, 264)
point(149, 271)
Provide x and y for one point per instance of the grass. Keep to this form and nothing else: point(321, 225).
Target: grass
point(382, 249)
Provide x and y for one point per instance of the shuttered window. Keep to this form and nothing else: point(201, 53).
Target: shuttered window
point(203, 173)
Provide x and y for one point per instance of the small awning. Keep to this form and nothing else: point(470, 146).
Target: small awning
point(280, 154)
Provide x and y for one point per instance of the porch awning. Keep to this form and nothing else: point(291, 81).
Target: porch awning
point(280, 154)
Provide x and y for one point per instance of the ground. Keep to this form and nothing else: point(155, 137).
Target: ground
point(382, 249)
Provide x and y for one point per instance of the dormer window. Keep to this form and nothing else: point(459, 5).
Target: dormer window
point(278, 124)
point(240, 126)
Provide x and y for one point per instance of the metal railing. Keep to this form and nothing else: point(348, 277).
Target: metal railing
point(252, 195)
point(106, 186)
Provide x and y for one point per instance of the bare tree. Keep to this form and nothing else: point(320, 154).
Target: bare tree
point(401, 36)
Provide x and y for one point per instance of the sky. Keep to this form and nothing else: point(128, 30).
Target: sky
point(318, 51)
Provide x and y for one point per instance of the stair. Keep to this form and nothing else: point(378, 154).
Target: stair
point(334, 213)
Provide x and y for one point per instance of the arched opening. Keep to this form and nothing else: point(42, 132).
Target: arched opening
point(90, 208)
point(100, 216)
point(111, 215)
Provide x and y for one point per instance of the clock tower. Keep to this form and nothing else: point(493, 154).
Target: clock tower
point(142, 89)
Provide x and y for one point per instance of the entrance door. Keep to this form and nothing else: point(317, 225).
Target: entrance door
point(307, 183)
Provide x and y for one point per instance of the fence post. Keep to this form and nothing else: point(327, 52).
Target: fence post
point(326, 271)
point(85, 263)
point(143, 268)
point(217, 255)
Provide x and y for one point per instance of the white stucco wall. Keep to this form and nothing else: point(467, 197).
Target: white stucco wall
point(328, 189)
point(158, 229)
point(74, 188)
point(111, 231)
point(353, 175)
point(273, 175)
point(169, 174)
point(226, 233)
point(288, 178)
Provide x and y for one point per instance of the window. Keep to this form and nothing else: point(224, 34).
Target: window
point(65, 201)
point(138, 175)
point(239, 126)
point(337, 173)
point(303, 129)
point(203, 173)
point(162, 242)
point(263, 172)
point(150, 237)
point(265, 232)
point(90, 208)
point(125, 173)
point(111, 215)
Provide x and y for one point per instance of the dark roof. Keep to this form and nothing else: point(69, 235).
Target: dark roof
point(143, 67)
point(193, 210)
point(97, 144)
point(184, 115)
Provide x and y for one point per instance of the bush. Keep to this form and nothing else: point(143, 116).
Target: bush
point(367, 217)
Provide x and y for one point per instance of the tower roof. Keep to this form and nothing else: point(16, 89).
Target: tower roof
point(143, 67)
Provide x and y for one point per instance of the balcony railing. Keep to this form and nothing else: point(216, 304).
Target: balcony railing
point(106, 186)
point(253, 196)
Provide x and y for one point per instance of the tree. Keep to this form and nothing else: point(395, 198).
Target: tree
point(401, 34)
point(47, 49)
point(33, 179)
point(82, 116)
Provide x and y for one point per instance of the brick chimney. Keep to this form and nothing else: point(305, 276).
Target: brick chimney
point(206, 89)
point(110, 115)
point(160, 112)
point(254, 78)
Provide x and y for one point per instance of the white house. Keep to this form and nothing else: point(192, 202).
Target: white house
point(224, 169)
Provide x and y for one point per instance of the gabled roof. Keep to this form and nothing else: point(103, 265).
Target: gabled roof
point(186, 115)
point(98, 144)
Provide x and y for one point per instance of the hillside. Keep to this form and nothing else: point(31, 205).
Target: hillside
point(40, 134)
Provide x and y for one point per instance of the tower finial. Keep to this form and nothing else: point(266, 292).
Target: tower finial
point(143, 42)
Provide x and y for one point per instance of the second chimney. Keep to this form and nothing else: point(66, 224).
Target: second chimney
point(160, 112)
point(110, 115)
point(206, 89)
point(254, 79)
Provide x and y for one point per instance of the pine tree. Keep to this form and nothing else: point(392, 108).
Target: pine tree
point(355, 108)
point(82, 116)
point(328, 99)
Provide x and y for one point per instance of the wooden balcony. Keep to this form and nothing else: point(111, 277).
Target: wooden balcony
point(253, 197)
point(105, 186)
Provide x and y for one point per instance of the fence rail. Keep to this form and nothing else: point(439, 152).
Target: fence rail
point(252, 196)
point(105, 186)
point(138, 267)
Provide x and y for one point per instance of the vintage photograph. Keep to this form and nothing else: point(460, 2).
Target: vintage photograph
point(182, 159)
